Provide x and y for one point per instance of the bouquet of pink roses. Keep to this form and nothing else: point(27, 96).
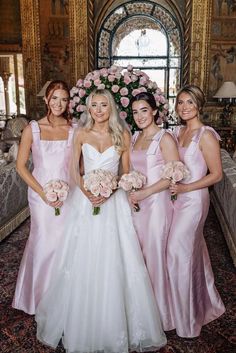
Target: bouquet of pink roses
point(132, 182)
point(56, 190)
point(175, 171)
point(100, 182)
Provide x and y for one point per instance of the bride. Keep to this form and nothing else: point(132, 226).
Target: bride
point(100, 299)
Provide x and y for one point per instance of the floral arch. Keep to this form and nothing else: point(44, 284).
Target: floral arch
point(149, 37)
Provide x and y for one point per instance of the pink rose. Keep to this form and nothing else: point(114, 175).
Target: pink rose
point(130, 67)
point(135, 92)
point(101, 86)
point(87, 83)
point(127, 79)
point(124, 91)
point(123, 115)
point(115, 88)
point(74, 90)
point(111, 78)
point(51, 196)
point(82, 93)
point(104, 72)
point(62, 195)
point(97, 82)
point(124, 101)
point(79, 83)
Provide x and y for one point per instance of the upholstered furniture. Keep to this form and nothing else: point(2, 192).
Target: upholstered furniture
point(13, 190)
point(224, 200)
point(13, 200)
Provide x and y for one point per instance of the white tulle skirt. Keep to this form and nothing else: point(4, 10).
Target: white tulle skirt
point(100, 299)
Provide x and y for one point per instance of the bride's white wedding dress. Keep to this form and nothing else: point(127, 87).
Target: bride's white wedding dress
point(100, 299)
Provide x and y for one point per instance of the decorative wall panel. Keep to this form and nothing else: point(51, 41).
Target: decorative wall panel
point(31, 53)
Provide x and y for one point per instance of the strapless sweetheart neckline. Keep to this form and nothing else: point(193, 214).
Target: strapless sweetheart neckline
point(108, 148)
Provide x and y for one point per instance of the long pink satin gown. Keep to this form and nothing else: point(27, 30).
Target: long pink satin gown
point(152, 223)
point(195, 299)
point(51, 161)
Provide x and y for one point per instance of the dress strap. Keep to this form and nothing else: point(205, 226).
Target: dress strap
point(134, 138)
point(196, 138)
point(35, 130)
point(70, 136)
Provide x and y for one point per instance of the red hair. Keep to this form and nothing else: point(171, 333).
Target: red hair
point(51, 88)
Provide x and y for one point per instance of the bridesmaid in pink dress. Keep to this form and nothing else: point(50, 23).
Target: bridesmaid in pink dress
point(152, 147)
point(50, 140)
point(194, 297)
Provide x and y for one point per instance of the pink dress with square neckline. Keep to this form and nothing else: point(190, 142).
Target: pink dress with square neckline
point(195, 299)
point(51, 161)
point(153, 222)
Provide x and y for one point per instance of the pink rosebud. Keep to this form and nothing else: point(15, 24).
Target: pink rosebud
point(130, 67)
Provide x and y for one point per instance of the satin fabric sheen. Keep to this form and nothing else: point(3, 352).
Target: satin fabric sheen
point(152, 224)
point(195, 299)
point(100, 299)
point(51, 161)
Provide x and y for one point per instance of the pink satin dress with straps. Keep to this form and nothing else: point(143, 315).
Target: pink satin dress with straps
point(195, 299)
point(152, 223)
point(51, 161)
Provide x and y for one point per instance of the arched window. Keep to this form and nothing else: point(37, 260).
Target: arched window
point(147, 36)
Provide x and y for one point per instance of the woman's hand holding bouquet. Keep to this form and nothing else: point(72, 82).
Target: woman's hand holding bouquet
point(101, 183)
point(56, 191)
point(132, 181)
point(175, 171)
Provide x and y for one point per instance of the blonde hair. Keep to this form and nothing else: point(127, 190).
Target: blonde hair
point(116, 125)
point(196, 94)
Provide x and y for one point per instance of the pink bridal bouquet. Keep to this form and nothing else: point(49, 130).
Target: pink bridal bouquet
point(56, 190)
point(174, 171)
point(132, 182)
point(100, 183)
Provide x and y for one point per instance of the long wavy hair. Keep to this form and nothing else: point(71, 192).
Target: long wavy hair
point(197, 95)
point(51, 88)
point(116, 125)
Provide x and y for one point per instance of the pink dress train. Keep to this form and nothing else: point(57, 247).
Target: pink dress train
point(152, 224)
point(195, 299)
point(51, 161)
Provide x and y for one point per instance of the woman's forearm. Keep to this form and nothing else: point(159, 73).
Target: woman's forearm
point(30, 180)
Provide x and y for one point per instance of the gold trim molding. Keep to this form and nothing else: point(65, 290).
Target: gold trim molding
point(31, 53)
point(200, 42)
point(81, 38)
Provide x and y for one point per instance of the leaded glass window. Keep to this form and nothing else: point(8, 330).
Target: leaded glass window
point(147, 36)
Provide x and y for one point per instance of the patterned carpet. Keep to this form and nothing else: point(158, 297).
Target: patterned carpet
point(17, 330)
